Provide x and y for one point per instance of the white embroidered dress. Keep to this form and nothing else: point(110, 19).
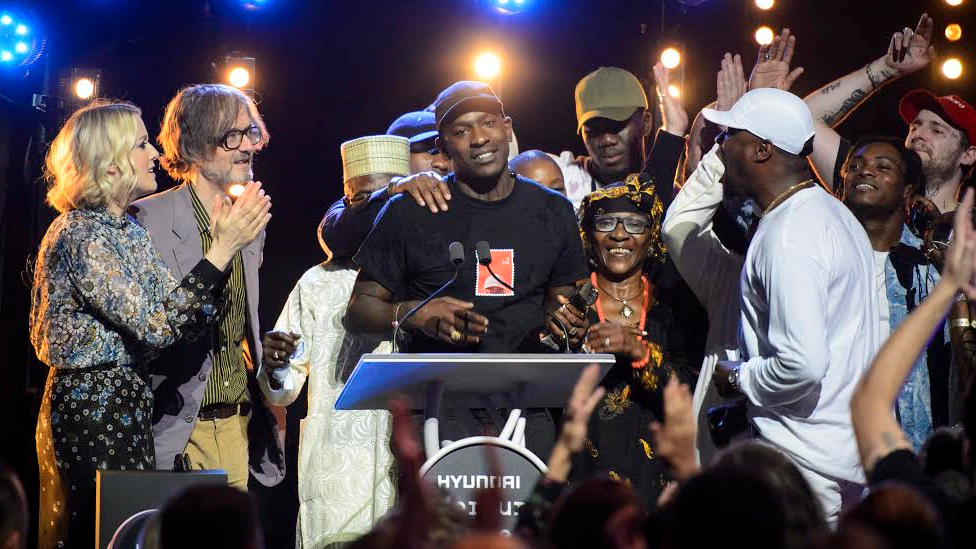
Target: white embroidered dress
point(345, 465)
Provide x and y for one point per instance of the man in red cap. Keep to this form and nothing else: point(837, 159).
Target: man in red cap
point(942, 130)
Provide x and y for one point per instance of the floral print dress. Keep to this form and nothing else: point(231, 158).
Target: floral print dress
point(103, 305)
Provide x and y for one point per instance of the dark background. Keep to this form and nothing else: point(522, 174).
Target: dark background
point(330, 70)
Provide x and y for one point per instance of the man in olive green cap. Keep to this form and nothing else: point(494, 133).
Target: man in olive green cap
point(613, 119)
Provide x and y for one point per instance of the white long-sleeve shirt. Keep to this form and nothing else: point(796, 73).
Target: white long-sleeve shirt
point(712, 272)
point(808, 330)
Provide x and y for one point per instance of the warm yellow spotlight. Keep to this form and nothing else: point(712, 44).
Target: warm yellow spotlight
point(239, 77)
point(487, 66)
point(953, 2)
point(952, 68)
point(953, 32)
point(84, 88)
point(765, 4)
point(670, 58)
point(764, 35)
point(674, 91)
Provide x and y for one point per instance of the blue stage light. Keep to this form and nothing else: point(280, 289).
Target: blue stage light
point(508, 7)
point(20, 42)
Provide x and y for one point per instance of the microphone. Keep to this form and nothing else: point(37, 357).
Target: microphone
point(484, 258)
point(456, 252)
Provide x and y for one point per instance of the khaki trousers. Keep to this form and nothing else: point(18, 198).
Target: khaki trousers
point(221, 444)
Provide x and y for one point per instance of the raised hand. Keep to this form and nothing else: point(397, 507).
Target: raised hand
point(910, 51)
point(772, 69)
point(730, 82)
point(675, 438)
point(576, 421)
point(960, 259)
point(674, 117)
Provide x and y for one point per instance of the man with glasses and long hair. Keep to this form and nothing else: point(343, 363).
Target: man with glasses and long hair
point(209, 411)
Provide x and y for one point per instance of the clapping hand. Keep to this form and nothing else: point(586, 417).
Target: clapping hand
point(772, 69)
point(236, 225)
point(674, 118)
point(730, 82)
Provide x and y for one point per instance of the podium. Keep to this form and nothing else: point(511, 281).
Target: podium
point(461, 467)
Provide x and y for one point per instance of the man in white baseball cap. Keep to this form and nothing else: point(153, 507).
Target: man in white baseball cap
point(808, 319)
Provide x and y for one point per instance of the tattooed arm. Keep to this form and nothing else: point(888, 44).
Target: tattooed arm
point(878, 433)
point(908, 52)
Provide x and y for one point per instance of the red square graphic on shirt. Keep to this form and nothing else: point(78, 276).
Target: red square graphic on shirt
point(503, 265)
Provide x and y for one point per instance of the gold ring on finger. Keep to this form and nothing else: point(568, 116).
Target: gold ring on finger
point(606, 342)
point(455, 335)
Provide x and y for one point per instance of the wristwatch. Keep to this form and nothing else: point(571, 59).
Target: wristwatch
point(734, 379)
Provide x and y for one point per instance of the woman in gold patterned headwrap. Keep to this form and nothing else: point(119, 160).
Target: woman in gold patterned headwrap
point(638, 318)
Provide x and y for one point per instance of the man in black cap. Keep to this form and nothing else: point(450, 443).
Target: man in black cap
point(345, 226)
point(534, 241)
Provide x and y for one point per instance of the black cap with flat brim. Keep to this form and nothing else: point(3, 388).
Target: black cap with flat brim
point(464, 97)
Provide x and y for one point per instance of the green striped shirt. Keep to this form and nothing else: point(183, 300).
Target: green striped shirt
point(228, 378)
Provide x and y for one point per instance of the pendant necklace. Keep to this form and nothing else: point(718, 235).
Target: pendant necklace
point(626, 311)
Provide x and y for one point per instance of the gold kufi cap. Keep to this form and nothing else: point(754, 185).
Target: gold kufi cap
point(379, 154)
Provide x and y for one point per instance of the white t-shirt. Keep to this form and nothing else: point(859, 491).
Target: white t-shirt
point(880, 283)
point(808, 330)
point(577, 178)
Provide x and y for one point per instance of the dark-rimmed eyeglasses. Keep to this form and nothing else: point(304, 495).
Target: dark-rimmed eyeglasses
point(233, 139)
point(608, 224)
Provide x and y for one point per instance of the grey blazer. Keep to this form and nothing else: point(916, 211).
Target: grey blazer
point(180, 373)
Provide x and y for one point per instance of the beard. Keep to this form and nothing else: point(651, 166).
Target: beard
point(224, 178)
point(937, 171)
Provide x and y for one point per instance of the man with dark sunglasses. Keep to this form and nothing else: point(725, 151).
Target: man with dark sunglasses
point(209, 411)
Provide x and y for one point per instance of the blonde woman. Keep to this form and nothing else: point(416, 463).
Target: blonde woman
point(104, 304)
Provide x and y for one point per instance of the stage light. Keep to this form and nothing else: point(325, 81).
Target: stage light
point(508, 7)
point(674, 91)
point(952, 68)
point(20, 43)
point(764, 35)
point(765, 4)
point(953, 32)
point(239, 77)
point(953, 2)
point(84, 89)
point(487, 66)
point(236, 190)
point(238, 71)
point(670, 58)
point(78, 86)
